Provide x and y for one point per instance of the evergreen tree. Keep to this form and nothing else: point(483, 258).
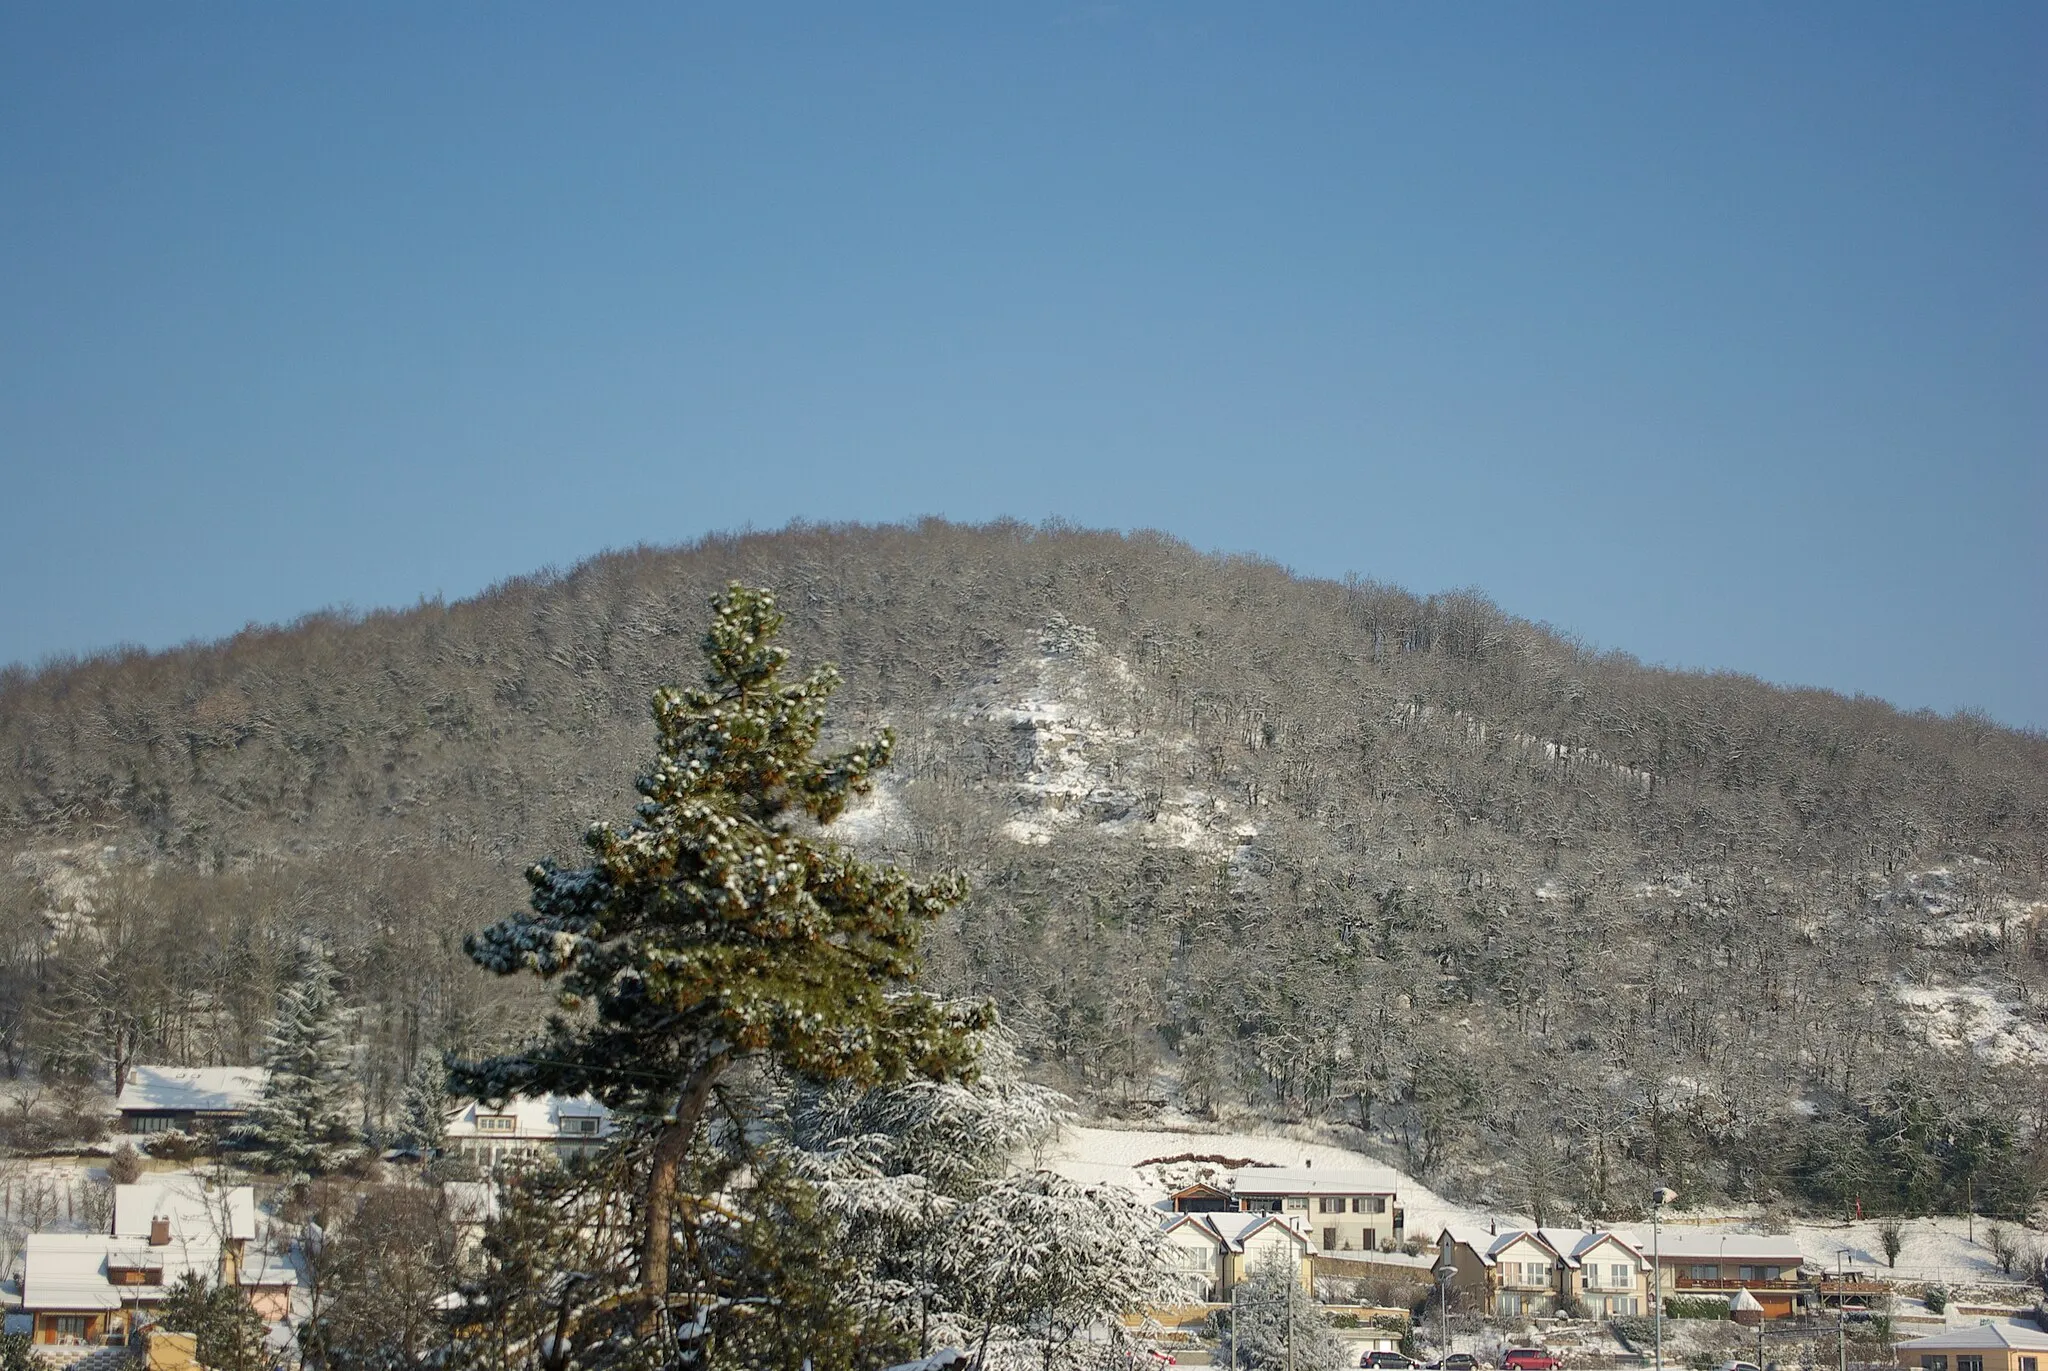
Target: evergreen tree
point(717, 929)
point(894, 1167)
point(227, 1330)
point(423, 1107)
point(303, 1125)
point(1273, 1323)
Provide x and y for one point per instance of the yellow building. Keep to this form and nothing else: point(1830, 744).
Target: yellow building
point(1987, 1347)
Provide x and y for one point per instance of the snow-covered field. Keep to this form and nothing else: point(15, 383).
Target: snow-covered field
point(1121, 1156)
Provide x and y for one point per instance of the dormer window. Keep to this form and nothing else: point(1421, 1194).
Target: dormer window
point(497, 1123)
point(581, 1124)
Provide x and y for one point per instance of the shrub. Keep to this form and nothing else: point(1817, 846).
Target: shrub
point(1936, 1300)
point(1702, 1307)
point(125, 1166)
point(174, 1145)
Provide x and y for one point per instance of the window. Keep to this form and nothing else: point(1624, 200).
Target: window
point(1592, 1275)
point(1745, 1274)
point(1512, 1304)
point(1622, 1277)
point(70, 1328)
point(1511, 1274)
point(1969, 1364)
point(1931, 1362)
point(1539, 1274)
point(1330, 1206)
point(496, 1123)
point(1370, 1240)
point(2030, 1364)
point(585, 1126)
point(1623, 1306)
point(1711, 1272)
point(1771, 1273)
point(1297, 1202)
point(1369, 1204)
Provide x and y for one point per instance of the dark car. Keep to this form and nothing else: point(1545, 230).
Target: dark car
point(1456, 1361)
point(1529, 1359)
point(1386, 1361)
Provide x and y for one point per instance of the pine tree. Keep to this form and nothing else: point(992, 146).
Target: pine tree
point(1273, 1323)
point(228, 1332)
point(423, 1107)
point(718, 930)
point(303, 1123)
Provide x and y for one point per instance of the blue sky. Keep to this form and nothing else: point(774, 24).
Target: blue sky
point(1711, 332)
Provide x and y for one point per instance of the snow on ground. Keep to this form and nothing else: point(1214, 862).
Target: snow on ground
point(1118, 1155)
point(1958, 1016)
point(1936, 1250)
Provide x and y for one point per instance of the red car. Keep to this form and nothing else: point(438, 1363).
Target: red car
point(1529, 1359)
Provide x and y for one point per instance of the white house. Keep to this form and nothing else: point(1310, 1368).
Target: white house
point(193, 1099)
point(566, 1128)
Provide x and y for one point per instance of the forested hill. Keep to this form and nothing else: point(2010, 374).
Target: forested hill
point(1542, 920)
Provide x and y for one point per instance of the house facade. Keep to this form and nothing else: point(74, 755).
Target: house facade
point(1341, 1210)
point(556, 1126)
point(1542, 1271)
point(1704, 1263)
point(191, 1099)
point(1218, 1250)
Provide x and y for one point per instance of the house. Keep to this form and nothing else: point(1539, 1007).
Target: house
point(1343, 1210)
point(1708, 1263)
point(90, 1288)
point(1202, 1199)
point(1987, 1347)
point(1540, 1271)
point(1217, 1250)
point(192, 1099)
point(489, 1133)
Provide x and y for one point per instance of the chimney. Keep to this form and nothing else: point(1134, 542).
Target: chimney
point(160, 1231)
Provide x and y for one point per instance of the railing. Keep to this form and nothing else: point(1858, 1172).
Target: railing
point(1689, 1283)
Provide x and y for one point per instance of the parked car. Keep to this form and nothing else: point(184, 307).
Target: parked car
point(1456, 1361)
point(1738, 1366)
point(1529, 1359)
point(1386, 1361)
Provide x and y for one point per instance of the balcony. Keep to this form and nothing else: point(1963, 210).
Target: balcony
point(1730, 1284)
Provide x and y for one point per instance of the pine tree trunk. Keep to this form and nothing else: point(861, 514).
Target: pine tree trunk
point(670, 1145)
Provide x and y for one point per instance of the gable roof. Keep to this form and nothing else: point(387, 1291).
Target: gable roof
point(2013, 1335)
point(1231, 1229)
point(1568, 1245)
point(197, 1212)
point(195, 1089)
point(69, 1270)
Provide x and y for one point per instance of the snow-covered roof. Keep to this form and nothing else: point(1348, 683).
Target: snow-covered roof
point(197, 1212)
point(1231, 1229)
point(69, 1270)
point(261, 1266)
point(1709, 1244)
point(1307, 1180)
point(542, 1116)
point(195, 1089)
point(1742, 1302)
point(2013, 1335)
point(1572, 1244)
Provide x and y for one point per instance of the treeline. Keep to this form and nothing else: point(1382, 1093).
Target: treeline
point(1541, 921)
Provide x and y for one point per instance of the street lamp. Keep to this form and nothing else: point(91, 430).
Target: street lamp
point(1446, 1269)
point(1659, 1197)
